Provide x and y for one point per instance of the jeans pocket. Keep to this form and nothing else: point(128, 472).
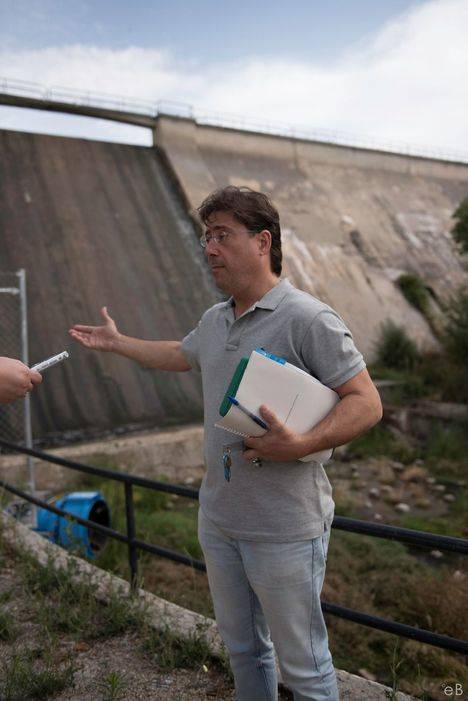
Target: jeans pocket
point(325, 540)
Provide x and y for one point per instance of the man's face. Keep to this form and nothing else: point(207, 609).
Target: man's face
point(236, 260)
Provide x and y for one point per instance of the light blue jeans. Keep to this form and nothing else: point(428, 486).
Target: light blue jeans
point(260, 589)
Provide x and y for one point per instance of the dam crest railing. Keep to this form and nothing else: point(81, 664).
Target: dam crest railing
point(138, 107)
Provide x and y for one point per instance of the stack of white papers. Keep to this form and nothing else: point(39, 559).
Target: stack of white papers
point(299, 400)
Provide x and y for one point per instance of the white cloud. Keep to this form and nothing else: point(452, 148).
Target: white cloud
point(409, 82)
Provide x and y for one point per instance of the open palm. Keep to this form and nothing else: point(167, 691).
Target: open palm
point(96, 337)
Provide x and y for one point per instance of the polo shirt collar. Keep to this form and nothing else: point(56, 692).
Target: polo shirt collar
point(274, 296)
point(271, 299)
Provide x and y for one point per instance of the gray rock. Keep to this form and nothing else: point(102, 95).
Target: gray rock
point(402, 507)
point(437, 554)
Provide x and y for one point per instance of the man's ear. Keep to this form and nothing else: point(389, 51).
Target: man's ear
point(264, 238)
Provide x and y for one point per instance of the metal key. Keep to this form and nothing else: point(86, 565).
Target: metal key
point(227, 462)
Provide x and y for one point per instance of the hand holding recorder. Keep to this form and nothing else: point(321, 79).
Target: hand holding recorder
point(16, 379)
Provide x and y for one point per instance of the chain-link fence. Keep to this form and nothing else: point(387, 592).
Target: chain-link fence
point(12, 416)
point(15, 418)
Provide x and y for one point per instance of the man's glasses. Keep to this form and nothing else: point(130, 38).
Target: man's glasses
point(218, 238)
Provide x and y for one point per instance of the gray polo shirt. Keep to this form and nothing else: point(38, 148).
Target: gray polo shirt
point(279, 501)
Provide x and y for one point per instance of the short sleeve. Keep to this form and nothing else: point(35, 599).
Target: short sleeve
point(191, 348)
point(329, 352)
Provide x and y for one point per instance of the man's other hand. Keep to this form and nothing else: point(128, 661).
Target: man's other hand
point(16, 379)
point(278, 443)
point(97, 337)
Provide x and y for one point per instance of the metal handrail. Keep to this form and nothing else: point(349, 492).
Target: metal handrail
point(421, 538)
point(233, 121)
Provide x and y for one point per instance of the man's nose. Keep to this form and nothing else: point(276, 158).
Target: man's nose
point(211, 248)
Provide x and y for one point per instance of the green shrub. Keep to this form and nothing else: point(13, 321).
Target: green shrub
point(460, 230)
point(446, 441)
point(415, 292)
point(395, 349)
point(380, 441)
point(456, 330)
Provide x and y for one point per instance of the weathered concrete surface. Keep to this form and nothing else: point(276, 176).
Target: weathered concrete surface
point(161, 613)
point(353, 219)
point(176, 454)
point(100, 224)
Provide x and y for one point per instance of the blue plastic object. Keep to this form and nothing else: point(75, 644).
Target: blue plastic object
point(72, 535)
point(276, 358)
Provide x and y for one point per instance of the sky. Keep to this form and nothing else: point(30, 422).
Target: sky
point(393, 70)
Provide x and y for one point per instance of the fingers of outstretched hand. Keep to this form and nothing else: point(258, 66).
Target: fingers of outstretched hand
point(83, 338)
point(83, 329)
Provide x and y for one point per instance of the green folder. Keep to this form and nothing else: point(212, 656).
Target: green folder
point(233, 386)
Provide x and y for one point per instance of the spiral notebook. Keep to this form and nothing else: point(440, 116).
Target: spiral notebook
point(299, 400)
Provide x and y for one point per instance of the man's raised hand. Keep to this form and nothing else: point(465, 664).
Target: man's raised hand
point(97, 337)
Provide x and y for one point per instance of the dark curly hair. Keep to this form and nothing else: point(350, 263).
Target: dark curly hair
point(251, 208)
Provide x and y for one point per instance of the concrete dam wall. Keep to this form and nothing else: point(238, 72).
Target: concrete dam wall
point(98, 223)
point(353, 220)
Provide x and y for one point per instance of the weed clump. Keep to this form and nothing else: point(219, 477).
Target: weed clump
point(22, 679)
point(68, 605)
point(415, 292)
point(395, 349)
point(456, 331)
point(171, 650)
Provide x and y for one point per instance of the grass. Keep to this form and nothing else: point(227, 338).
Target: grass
point(382, 578)
point(23, 680)
point(395, 665)
point(161, 518)
point(172, 651)
point(69, 606)
point(381, 441)
point(444, 443)
point(8, 629)
point(113, 687)
point(66, 608)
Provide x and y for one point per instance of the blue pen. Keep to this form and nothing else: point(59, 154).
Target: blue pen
point(252, 416)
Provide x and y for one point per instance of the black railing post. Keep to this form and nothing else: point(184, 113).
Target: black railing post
point(132, 549)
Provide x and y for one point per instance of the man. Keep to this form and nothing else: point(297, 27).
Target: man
point(264, 532)
point(16, 380)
